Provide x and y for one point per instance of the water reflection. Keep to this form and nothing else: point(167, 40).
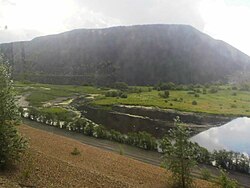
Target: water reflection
point(234, 136)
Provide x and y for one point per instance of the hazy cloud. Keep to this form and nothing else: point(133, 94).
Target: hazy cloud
point(222, 19)
point(130, 12)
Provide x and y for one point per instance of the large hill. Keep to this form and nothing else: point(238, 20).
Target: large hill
point(137, 55)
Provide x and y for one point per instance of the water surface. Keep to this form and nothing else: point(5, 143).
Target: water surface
point(234, 136)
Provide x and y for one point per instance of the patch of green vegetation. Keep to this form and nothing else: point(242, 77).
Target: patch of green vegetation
point(75, 152)
point(206, 103)
point(212, 99)
point(55, 110)
point(41, 93)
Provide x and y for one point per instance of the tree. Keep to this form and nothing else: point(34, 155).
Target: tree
point(225, 182)
point(12, 144)
point(121, 86)
point(201, 155)
point(164, 94)
point(165, 86)
point(179, 154)
point(146, 141)
point(100, 132)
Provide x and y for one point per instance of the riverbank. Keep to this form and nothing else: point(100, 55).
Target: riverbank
point(54, 166)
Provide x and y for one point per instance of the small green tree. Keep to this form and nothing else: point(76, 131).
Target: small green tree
point(225, 182)
point(179, 155)
point(194, 103)
point(206, 174)
point(121, 86)
point(11, 143)
point(164, 94)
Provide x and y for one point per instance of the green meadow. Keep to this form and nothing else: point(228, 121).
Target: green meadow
point(38, 94)
point(222, 102)
point(225, 101)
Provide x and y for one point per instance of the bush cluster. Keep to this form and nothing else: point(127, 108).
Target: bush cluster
point(115, 93)
point(164, 94)
point(142, 140)
point(165, 86)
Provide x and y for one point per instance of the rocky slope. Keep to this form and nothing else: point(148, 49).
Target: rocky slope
point(49, 163)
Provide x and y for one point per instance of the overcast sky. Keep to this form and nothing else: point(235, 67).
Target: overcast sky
point(228, 20)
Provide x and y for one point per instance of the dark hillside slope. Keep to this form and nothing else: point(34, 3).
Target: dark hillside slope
point(138, 55)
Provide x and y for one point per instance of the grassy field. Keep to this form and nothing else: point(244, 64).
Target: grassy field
point(226, 101)
point(222, 102)
point(41, 93)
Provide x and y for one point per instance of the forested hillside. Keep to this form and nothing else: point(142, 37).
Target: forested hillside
point(137, 55)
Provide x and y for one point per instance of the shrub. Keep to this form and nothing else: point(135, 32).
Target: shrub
point(164, 94)
point(11, 143)
point(142, 139)
point(206, 174)
point(213, 90)
point(194, 103)
point(233, 106)
point(191, 92)
point(116, 136)
point(25, 175)
point(165, 86)
point(197, 95)
point(88, 130)
point(245, 87)
point(180, 87)
point(225, 182)
point(198, 91)
point(121, 86)
point(114, 93)
point(190, 87)
point(100, 131)
point(234, 88)
point(121, 150)
point(234, 93)
point(204, 91)
point(75, 152)
point(124, 95)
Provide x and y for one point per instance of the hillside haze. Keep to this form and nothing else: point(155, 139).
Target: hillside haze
point(137, 55)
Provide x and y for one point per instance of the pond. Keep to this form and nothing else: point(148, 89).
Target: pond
point(234, 136)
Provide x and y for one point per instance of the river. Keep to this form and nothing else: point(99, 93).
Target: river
point(234, 135)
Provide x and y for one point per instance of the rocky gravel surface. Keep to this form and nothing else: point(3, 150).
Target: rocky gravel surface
point(5, 183)
point(49, 163)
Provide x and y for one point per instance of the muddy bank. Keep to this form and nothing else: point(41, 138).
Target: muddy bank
point(169, 115)
point(127, 119)
point(125, 123)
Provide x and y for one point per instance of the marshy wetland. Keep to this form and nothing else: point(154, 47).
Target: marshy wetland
point(141, 108)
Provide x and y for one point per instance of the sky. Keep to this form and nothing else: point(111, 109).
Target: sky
point(227, 20)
